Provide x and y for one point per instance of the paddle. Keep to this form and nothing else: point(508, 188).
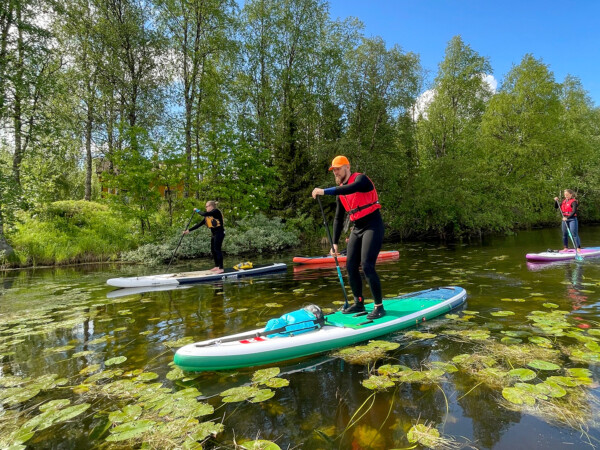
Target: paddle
point(180, 239)
point(337, 264)
point(578, 257)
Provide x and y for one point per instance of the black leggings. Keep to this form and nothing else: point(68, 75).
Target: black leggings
point(363, 248)
point(216, 242)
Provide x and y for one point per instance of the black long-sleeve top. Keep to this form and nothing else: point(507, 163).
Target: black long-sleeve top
point(215, 214)
point(360, 184)
point(574, 206)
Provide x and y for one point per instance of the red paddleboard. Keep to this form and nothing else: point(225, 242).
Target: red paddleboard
point(391, 254)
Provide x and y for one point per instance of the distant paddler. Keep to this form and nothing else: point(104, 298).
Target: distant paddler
point(570, 225)
point(356, 195)
point(213, 219)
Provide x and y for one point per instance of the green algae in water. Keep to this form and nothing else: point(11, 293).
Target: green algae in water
point(179, 342)
point(365, 354)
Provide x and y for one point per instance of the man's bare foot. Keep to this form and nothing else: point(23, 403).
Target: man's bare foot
point(214, 269)
point(218, 270)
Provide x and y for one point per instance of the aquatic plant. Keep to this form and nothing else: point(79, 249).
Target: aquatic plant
point(428, 436)
point(365, 354)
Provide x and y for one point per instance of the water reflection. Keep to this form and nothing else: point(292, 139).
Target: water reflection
point(64, 321)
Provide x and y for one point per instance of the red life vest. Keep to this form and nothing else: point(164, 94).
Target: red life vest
point(567, 207)
point(360, 204)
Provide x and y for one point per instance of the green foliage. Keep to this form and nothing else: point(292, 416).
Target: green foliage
point(72, 231)
point(247, 106)
point(257, 234)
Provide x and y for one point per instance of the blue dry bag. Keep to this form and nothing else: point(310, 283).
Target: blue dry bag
point(295, 322)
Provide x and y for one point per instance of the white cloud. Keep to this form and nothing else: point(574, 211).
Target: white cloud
point(424, 100)
point(492, 82)
point(422, 104)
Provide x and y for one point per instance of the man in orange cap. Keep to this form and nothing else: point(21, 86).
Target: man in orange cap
point(356, 195)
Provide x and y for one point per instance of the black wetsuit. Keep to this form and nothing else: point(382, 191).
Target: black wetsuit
point(218, 234)
point(365, 239)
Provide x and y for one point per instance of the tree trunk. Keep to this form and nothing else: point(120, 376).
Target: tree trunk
point(6, 19)
point(5, 248)
point(18, 120)
point(88, 153)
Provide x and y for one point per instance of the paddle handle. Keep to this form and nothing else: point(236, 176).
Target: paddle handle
point(180, 239)
point(337, 264)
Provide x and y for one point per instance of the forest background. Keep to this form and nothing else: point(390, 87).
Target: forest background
point(117, 117)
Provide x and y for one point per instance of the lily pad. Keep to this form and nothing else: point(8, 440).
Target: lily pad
point(551, 389)
point(277, 382)
point(262, 375)
point(543, 365)
point(262, 395)
point(83, 353)
point(115, 360)
point(541, 341)
point(445, 366)
point(388, 369)
point(146, 376)
point(239, 394)
point(523, 374)
point(130, 430)
point(89, 369)
point(259, 445)
point(55, 404)
point(424, 435)
point(419, 335)
point(378, 383)
point(518, 396)
point(510, 340)
point(128, 414)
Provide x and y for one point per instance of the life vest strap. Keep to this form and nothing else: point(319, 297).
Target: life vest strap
point(360, 208)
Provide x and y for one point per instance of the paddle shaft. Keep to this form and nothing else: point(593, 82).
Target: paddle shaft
point(337, 264)
point(578, 257)
point(180, 239)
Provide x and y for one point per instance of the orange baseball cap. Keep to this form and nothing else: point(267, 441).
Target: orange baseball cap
point(339, 161)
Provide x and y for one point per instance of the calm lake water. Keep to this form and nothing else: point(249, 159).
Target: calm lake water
point(66, 335)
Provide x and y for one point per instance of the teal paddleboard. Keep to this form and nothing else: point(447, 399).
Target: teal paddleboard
point(252, 348)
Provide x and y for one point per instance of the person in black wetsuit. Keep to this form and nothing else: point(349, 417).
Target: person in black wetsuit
point(356, 194)
point(213, 219)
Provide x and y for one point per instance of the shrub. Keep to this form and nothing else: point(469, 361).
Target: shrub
point(257, 234)
point(70, 232)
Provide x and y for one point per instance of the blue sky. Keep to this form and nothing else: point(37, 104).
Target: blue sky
point(563, 34)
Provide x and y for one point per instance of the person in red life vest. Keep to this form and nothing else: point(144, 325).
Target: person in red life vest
point(568, 208)
point(356, 195)
point(213, 219)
